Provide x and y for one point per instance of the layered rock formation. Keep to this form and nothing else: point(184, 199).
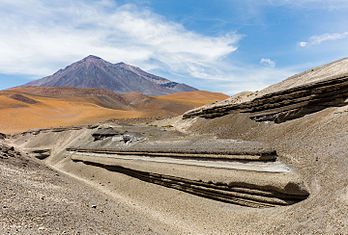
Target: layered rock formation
point(238, 172)
point(285, 101)
point(239, 192)
point(173, 176)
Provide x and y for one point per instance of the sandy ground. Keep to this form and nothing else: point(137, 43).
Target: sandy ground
point(51, 112)
point(38, 200)
point(314, 147)
point(64, 195)
point(156, 206)
point(60, 107)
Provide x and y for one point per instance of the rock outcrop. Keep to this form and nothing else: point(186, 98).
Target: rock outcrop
point(8, 151)
point(233, 192)
point(246, 173)
point(285, 104)
point(213, 149)
point(105, 133)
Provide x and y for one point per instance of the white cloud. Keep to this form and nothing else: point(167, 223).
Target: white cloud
point(40, 36)
point(318, 39)
point(267, 62)
point(253, 78)
point(303, 44)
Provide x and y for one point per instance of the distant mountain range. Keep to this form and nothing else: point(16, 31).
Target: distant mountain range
point(94, 72)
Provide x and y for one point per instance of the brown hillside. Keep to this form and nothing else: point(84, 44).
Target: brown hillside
point(53, 112)
point(195, 97)
point(42, 107)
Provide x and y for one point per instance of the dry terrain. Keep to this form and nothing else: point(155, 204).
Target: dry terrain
point(37, 107)
point(274, 162)
point(18, 116)
point(38, 200)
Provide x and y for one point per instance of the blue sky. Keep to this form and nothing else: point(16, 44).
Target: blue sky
point(218, 45)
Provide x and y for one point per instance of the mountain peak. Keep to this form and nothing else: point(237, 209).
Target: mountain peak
point(93, 60)
point(121, 63)
point(94, 72)
point(92, 57)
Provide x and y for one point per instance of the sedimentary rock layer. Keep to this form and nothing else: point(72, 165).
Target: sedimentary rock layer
point(196, 146)
point(237, 192)
point(196, 155)
point(239, 172)
point(286, 104)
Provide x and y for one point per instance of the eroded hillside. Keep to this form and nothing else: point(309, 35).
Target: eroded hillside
point(41, 107)
point(269, 164)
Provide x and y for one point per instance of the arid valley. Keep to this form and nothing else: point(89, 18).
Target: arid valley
point(267, 162)
point(122, 117)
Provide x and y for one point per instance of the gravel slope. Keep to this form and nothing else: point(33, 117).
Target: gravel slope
point(38, 200)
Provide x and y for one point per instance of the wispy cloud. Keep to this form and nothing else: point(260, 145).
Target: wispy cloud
point(267, 62)
point(252, 78)
point(318, 39)
point(39, 36)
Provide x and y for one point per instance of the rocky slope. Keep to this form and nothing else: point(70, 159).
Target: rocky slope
point(295, 97)
point(295, 169)
point(38, 200)
point(316, 74)
point(94, 72)
point(287, 177)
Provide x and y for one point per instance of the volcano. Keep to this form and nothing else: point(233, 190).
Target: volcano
point(94, 72)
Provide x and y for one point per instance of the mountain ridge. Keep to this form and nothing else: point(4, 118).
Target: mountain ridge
point(94, 72)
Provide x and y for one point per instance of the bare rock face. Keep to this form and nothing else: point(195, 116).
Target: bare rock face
point(287, 100)
point(223, 170)
point(94, 72)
